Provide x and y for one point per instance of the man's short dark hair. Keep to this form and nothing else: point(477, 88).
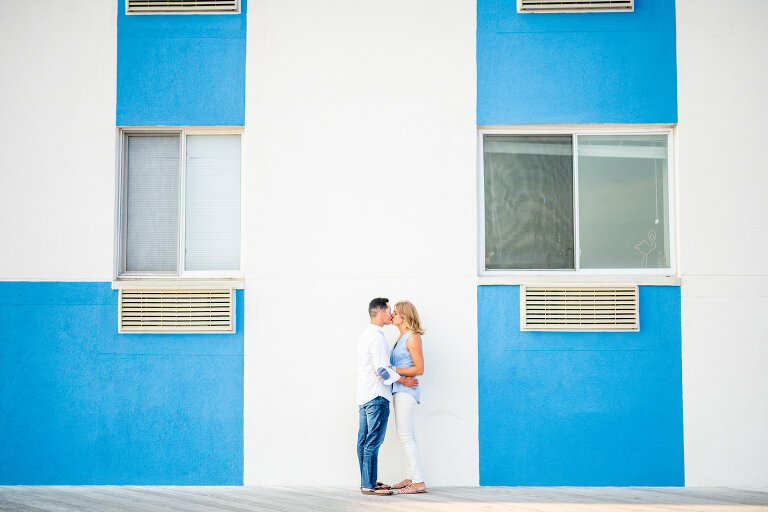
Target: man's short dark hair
point(377, 305)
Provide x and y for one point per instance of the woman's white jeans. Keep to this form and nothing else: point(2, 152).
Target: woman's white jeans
point(405, 407)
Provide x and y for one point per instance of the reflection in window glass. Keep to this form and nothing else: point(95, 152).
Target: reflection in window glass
point(528, 202)
point(623, 217)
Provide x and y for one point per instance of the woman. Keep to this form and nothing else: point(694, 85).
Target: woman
point(407, 360)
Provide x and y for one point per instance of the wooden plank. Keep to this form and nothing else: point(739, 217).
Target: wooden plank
point(187, 500)
point(16, 506)
point(40, 497)
point(131, 499)
point(239, 497)
point(125, 499)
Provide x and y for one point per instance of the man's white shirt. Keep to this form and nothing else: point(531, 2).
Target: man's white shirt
point(372, 354)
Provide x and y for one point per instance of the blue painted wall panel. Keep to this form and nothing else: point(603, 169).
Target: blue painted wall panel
point(82, 404)
point(583, 409)
point(576, 67)
point(179, 70)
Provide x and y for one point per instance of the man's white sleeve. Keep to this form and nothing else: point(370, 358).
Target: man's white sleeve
point(380, 356)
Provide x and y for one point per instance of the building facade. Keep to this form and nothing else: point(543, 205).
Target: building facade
point(301, 158)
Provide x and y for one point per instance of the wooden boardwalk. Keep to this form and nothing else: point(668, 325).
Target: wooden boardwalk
point(334, 499)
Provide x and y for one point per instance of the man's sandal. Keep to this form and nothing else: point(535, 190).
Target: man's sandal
point(376, 492)
point(411, 489)
point(379, 486)
point(404, 483)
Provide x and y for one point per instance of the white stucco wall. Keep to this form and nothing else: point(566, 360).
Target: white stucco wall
point(359, 178)
point(358, 181)
point(722, 84)
point(57, 139)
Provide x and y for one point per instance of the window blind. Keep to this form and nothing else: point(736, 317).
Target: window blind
point(152, 203)
point(212, 203)
point(528, 202)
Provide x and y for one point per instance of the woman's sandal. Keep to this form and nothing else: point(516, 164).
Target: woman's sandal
point(381, 486)
point(411, 489)
point(404, 483)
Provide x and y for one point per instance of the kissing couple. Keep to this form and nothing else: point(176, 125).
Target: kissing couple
point(386, 376)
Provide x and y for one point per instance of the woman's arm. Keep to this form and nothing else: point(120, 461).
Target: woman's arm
point(414, 347)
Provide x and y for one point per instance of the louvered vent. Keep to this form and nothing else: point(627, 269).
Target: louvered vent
point(578, 308)
point(176, 310)
point(575, 5)
point(181, 6)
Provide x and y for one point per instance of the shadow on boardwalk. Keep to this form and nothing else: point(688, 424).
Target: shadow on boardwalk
point(333, 499)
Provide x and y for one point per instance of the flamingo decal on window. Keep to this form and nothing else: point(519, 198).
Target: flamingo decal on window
point(646, 247)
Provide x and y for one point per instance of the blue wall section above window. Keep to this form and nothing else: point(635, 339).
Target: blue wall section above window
point(83, 404)
point(181, 70)
point(580, 408)
point(576, 68)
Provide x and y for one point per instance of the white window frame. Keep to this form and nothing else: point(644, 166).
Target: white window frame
point(181, 274)
point(575, 131)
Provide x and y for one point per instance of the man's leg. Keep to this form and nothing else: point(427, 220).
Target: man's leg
point(377, 414)
point(362, 433)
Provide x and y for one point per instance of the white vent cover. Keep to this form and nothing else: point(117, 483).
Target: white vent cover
point(176, 310)
point(579, 308)
point(575, 5)
point(181, 6)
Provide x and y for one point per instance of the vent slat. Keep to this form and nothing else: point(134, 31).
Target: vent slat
point(549, 6)
point(195, 311)
point(191, 304)
point(579, 308)
point(181, 6)
point(581, 293)
point(172, 329)
point(176, 310)
point(175, 324)
point(572, 325)
point(144, 326)
point(540, 313)
point(581, 304)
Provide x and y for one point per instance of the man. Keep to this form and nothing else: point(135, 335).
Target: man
point(374, 392)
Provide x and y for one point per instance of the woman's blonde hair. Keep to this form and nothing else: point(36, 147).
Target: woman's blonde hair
point(410, 316)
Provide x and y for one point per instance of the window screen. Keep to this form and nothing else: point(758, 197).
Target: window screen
point(528, 202)
point(151, 219)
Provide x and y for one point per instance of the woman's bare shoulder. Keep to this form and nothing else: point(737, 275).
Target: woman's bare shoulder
point(413, 339)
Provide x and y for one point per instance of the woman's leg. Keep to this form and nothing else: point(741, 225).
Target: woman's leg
point(405, 407)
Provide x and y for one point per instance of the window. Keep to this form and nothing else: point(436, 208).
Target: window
point(578, 201)
point(179, 206)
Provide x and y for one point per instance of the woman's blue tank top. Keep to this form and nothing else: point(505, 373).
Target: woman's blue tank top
point(401, 358)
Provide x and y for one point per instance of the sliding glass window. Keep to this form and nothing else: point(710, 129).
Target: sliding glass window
point(576, 201)
point(179, 204)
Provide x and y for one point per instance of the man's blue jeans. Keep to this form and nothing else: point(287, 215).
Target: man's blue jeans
point(373, 426)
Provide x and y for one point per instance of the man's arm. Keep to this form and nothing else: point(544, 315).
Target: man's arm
point(388, 374)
